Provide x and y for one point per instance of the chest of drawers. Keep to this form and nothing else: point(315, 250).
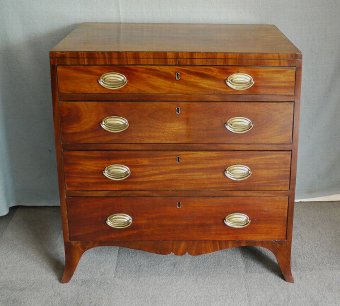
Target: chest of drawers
point(176, 138)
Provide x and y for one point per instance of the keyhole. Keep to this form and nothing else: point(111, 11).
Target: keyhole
point(178, 110)
point(177, 76)
point(178, 158)
point(179, 205)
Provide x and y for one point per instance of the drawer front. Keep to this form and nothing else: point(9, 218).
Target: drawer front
point(169, 170)
point(171, 122)
point(157, 218)
point(176, 80)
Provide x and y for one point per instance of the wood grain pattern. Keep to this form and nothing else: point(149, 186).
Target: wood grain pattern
point(175, 147)
point(73, 253)
point(280, 248)
point(196, 122)
point(161, 79)
point(174, 97)
point(59, 150)
point(148, 40)
point(156, 51)
point(160, 219)
point(177, 193)
point(109, 59)
point(160, 170)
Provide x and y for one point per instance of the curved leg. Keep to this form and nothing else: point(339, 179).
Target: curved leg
point(282, 253)
point(73, 253)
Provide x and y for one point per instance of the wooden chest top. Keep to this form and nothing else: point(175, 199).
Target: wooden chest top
point(176, 41)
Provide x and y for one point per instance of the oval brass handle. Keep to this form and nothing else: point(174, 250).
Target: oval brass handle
point(114, 124)
point(237, 220)
point(119, 221)
point(117, 172)
point(239, 125)
point(112, 80)
point(240, 81)
point(238, 172)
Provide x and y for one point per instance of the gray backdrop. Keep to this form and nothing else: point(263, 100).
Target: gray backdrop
point(28, 29)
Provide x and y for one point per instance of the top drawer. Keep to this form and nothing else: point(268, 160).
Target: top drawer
point(176, 80)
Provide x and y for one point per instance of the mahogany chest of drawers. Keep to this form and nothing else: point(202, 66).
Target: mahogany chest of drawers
point(176, 138)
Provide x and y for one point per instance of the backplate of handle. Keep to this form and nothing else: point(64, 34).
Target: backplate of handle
point(114, 124)
point(119, 220)
point(239, 125)
point(112, 80)
point(117, 172)
point(238, 172)
point(237, 220)
point(240, 81)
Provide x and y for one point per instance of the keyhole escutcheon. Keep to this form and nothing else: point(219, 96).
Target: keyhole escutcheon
point(177, 76)
point(178, 158)
point(178, 110)
point(179, 205)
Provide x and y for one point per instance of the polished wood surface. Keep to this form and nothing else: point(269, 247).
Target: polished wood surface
point(175, 147)
point(197, 218)
point(177, 193)
point(152, 40)
point(280, 249)
point(156, 52)
point(109, 59)
point(174, 97)
point(161, 79)
point(59, 150)
point(176, 122)
point(161, 170)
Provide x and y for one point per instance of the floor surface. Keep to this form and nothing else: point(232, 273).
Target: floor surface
point(31, 263)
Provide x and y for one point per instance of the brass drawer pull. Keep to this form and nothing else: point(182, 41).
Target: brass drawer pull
point(239, 125)
point(117, 172)
point(240, 81)
point(119, 221)
point(237, 220)
point(238, 172)
point(114, 124)
point(112, 80)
